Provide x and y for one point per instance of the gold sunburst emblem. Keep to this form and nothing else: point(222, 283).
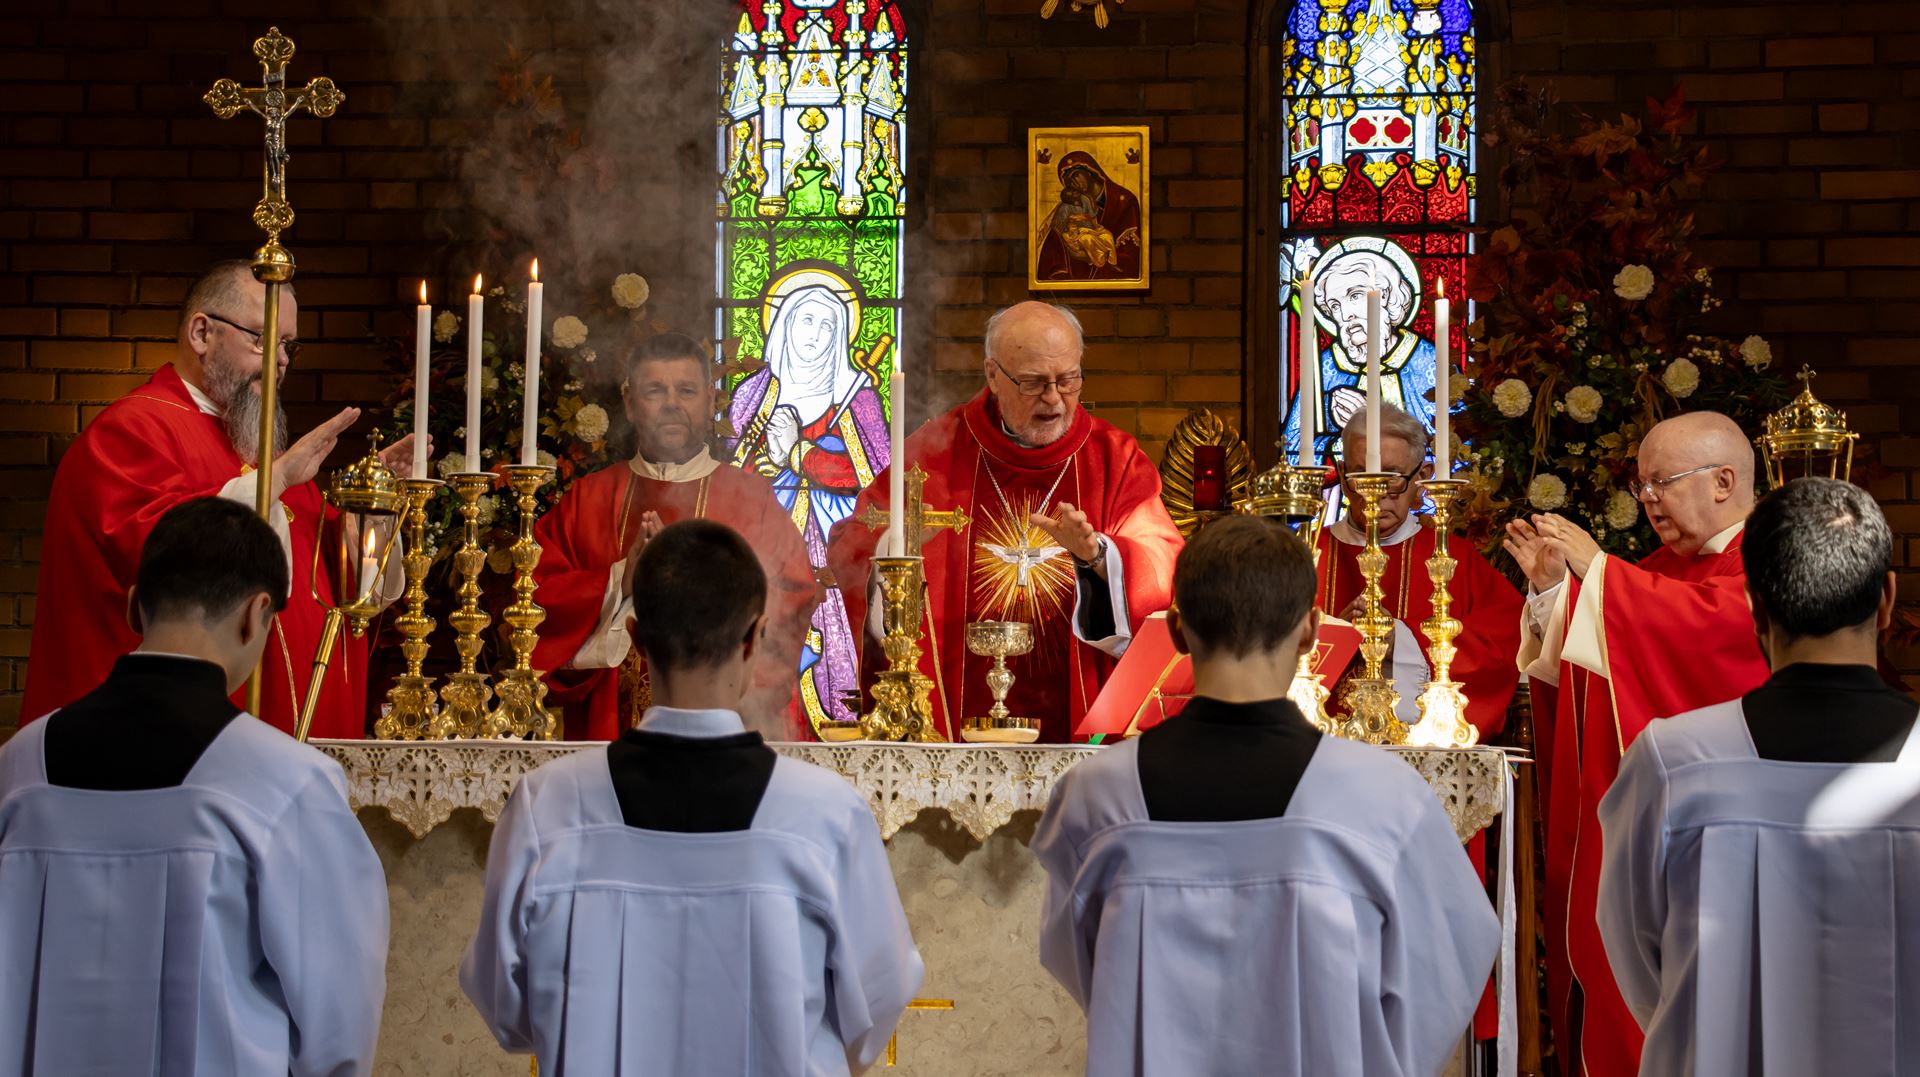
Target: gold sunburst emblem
point(1020, 572)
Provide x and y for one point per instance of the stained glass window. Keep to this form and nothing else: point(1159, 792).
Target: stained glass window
point(1377, 99)
point(812, 141)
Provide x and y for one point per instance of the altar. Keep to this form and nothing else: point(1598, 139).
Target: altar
point(957, 820)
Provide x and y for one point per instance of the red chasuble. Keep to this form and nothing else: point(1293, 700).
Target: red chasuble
point(1678, 635)
point(150, 451)
point(978, 575)
point(590, 530)
point(1483, 601)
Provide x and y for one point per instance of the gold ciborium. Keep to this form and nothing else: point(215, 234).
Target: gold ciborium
point(1807, 438)
point(1000, 640)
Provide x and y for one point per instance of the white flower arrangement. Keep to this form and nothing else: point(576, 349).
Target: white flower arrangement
point(631, 290)
point(1634, 282)
point(1583, 403)
point(544, 458)
point(590, 422)
point(1622, 510)
point(1681, 378)
point(451, 464)
point(1547, 492)
point(1512, 397)
point(487, 508)
point(1756, 352)
point(568, 332)
point(446, 326)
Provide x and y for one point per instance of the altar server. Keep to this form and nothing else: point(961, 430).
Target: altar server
point(183, 888)
point(1232, 892)
point(684, 901)
point(1756, 888)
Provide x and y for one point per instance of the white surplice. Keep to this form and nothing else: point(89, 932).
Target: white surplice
point(234, 925)
point(604, 949)
point(1763, 916)
point(1347, 938)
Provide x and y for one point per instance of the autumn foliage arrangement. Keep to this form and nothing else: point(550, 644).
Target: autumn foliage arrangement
point(1593, 310)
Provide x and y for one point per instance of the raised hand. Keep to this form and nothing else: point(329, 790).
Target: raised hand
point(1071, 529)
point(302, 460)
point(650, 526)
point(1570, 540)
point(1543, 564)
point(398, 457)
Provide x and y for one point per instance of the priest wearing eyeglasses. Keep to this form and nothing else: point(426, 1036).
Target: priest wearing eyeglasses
point(1616, 645)
point(1067, 532)
point(191, 431)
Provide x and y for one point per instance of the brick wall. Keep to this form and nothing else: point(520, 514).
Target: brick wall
point(116, 183)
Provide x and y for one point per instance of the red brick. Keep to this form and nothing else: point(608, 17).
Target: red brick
point(138, 226)
point(1819, 51)
point(1843, 117)
point(1140, 323)
point(28, 322)
point(1131, 387)
point(1206, 388)
point(964, 130)
point(23, 386)
point(1870, 185)
point(1205, 192)
point(83, 323)
point(1203, 323)
point(39, 418)
point(101, 388)
point(79, 354)
point(1756, 86)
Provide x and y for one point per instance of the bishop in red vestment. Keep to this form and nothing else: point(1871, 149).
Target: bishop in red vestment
point(192, 431)
point(1067, 531)
point(593, 535)
point(1624, 644)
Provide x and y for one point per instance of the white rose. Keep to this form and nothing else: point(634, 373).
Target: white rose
point(446, 326)
point(544, 458)
point(1622, 510)
point(1633, 282)
point(1583, 403)
point(1681, 378)
point(590, 422)
point(568, 332)
point(451, 464)
point(630, 290)
point(1547, 492)
point(1512, 397)
point(486, 509)
point(1756, 352)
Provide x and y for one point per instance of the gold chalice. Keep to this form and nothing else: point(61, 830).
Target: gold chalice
point(999, 640)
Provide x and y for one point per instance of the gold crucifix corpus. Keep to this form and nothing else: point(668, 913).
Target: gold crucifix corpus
point(915, 518)
point(893, 1042)
point(272, 263)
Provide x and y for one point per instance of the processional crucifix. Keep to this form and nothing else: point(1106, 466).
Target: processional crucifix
point(272, 264)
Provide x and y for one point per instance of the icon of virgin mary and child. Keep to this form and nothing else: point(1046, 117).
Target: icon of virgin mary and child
point(811, 421)
point(1093, 232)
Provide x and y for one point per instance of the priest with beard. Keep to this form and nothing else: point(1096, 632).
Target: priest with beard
point(593, 537)
point(192, 431)
point(1609, 646)
point(1067, 531)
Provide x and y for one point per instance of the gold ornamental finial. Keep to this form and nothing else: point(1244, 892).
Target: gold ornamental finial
point(1807, 437)
point(274, 103)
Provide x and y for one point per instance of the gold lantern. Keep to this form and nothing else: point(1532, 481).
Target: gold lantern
point(369, 499)
point(1807, 438)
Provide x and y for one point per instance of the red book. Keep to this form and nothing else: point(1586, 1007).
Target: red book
point(1153, 681)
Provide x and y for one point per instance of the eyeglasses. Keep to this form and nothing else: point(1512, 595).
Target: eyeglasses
point(1068, 384)
point(1395, 486)
point(1655, 489)
point(291, 347)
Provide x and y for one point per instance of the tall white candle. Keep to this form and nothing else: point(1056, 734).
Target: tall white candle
point(1309, 375)
point(474, 302)
point(530, 408)
point(1373, 377)
point(422, 352)
point(897, 473)
point(1442, 387)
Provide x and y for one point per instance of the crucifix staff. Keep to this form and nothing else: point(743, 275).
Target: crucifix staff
point(272, 264)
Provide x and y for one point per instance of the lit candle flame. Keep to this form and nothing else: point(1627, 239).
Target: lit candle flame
point(423, 293)
point(476, 284)
point(1441, 284)
point(535, 271)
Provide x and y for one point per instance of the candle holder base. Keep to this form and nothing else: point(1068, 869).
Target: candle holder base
point(410, 714)
point(521, 711)
point(1309, 692)
point(1371, 704)
point(463, 706)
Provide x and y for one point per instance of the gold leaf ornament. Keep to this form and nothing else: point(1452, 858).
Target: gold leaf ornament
point(226, 99)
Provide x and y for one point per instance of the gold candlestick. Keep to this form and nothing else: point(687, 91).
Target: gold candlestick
point(1443, 705)
point(1295, 496)
point(1370, 699)
point(521, 710)
point(463, 702)
point(412, 713)
point(902, 696)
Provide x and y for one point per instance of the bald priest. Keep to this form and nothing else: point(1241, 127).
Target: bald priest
point(1624, 644)
point(1067, 531)
point(191, 431)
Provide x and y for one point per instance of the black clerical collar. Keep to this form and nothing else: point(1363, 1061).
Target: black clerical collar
point(1812, 712)
point(144, 728)
point(1266, 712)
point(685, 772)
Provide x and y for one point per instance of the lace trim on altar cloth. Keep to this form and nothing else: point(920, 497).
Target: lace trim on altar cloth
point(421, 783)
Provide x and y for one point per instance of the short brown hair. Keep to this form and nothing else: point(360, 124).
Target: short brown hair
point(697, 590)
point(216, 290)
point(1242, 585)
point(665, 346)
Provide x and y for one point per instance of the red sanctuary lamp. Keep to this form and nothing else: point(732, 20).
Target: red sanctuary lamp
point(1210, 478)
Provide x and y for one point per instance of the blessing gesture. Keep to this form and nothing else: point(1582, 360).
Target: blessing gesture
point(1073, 531)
